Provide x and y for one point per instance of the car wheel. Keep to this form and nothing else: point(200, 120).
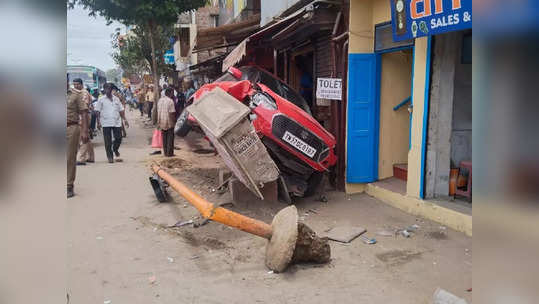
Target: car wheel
point(313, 183)
point(182, 127)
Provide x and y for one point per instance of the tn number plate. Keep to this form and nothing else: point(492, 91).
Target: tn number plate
point(299, 144)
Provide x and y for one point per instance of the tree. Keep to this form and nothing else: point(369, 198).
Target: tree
point(133, 52)
point(114, 75)
point(145, 14)
point(129, 54)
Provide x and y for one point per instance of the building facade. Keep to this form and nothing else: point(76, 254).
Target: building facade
point(206, 35)
point(410, 101)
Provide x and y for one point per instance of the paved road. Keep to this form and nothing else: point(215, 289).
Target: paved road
point(102, 244)
point(120, 251)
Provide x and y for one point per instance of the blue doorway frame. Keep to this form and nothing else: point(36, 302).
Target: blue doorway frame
point(363, 112)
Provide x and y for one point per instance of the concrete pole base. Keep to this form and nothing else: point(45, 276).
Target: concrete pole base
point(293, 242)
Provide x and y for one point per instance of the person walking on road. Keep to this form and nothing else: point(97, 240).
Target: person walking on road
point(116, 92)
point(93, 119)
point(188, 88)
point(110, 114)
point(141, 98)
point(149, 101)
point(77, 110)
point(87, 148)
point(179, 101)
point(163, 91)
point(166, 119)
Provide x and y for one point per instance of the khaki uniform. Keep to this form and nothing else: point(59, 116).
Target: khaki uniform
point(75, 106)
point(86, 150)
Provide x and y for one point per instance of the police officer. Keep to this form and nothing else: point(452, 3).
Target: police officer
point(77, 109)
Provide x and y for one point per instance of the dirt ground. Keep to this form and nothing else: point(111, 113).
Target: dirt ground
point(120, 249)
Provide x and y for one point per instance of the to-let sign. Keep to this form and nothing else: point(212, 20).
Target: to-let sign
point(329, 88)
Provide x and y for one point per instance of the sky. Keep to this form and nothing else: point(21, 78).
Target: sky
point(88, 39)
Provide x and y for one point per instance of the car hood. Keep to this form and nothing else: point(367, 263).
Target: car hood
point(241, 89)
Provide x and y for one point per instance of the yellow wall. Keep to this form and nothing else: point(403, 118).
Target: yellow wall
point(414, 156)
point(361, 41)
point(361, 29)
point(364, 14)
point(381, 11)
point(395, 86)
point(355, 188)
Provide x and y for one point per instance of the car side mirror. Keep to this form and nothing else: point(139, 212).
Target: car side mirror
point(235, 72)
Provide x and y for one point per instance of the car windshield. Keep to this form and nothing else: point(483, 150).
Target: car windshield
point(280, 88)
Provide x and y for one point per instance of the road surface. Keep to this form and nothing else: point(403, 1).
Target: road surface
point(119, 248)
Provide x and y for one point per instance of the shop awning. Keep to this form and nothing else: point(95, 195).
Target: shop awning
point(226, 35)
point(239, 51)
point(210, 68)
point(235, 56)
point(270, 31)
point(210, 62)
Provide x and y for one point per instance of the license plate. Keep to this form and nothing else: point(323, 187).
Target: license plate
point(299, 144)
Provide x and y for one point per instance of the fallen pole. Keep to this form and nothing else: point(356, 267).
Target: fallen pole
point(215, 213)
point(289, 240)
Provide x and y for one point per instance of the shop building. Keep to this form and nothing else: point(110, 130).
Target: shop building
point(409, 105)
point(205, 36)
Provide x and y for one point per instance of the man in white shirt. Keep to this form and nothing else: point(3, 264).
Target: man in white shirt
point(110, 113)
point(166, 119)
point(163, 90)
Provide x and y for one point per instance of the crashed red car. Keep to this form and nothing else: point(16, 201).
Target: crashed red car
point(302, 149)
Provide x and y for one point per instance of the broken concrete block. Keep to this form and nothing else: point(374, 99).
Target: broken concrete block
point(444, 297)
point(224, 175)
point(241, 195)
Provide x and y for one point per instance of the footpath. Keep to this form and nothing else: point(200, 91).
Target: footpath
point(120, 249)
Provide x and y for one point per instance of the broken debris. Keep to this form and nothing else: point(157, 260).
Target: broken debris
point(367, 240)
point(181, 224)
point(442, 296)
point(405, 233)
point(344, 234)
point(385, 232)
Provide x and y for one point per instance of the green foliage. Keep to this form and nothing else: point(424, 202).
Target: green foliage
point(114, 75)
point(134, 53)
point(147, 15)
point(138, 12)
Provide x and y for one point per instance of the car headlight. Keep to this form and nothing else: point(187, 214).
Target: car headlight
point(261, 99)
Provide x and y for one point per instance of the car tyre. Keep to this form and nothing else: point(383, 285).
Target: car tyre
point(313, 183)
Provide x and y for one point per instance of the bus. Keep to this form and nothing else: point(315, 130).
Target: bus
point(91, 76)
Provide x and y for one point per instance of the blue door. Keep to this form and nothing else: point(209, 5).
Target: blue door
point(363, 118)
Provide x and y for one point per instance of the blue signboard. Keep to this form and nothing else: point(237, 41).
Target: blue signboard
point(416, 18)
point(169, 57)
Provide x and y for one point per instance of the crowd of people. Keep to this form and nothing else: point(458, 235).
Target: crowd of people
point(143, 98)
point(91, 111)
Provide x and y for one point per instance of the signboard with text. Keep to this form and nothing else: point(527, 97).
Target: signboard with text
point(169, 57)
point(417, 18)
point(329, 88)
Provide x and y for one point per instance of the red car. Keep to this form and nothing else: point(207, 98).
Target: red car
point(302, 149)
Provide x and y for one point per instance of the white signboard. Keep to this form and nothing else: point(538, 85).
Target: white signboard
point(329, 88)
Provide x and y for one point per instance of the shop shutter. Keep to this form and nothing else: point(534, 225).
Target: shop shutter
point(363, 118)
point(323, 57)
